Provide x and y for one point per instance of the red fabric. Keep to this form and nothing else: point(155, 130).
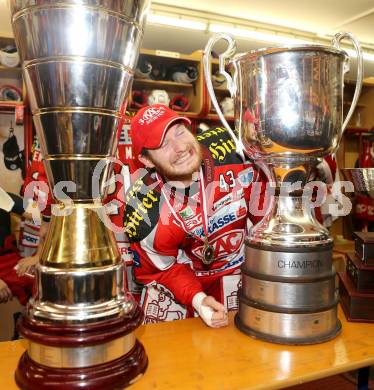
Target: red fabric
point(36, 184)
point(21, 287)
point(361, 208)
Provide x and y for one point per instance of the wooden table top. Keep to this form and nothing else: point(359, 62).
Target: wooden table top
point(189, 355)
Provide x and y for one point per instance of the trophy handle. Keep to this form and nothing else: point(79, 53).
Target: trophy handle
point(231, 82)
point(360, 67)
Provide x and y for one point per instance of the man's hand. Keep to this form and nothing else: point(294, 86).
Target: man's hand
point(211, 311)
point(5, 293)
point(219, 317)
point(26, 265)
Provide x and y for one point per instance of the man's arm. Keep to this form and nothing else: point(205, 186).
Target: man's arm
point(26, 264)
point(5, 293)
point(156, 262)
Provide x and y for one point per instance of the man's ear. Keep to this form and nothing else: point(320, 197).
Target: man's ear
point(146, 161)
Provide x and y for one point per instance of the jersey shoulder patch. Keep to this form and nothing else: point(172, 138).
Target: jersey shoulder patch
point(220, 145)
point(142, 210)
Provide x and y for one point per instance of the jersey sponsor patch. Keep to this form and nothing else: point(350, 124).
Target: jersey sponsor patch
point(245, 177)
point(142, 209)
point(229, 265)
point(223, 217)
point(136, 257)
point(125, 251)
point(221, 146)
point(224, 245)
point(227, 199)
point(186, 213)
point(30, 240)
point(223, 202)
point(193, 222)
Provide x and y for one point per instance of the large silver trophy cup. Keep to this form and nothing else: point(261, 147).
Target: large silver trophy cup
point(288, 114)
point(78, 60)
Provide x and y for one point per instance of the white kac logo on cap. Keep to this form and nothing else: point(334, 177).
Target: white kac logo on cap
point(151, 114)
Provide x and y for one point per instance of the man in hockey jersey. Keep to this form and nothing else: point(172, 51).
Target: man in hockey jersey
point(186, 217)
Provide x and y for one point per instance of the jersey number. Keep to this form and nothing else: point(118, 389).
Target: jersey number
point(227, 180)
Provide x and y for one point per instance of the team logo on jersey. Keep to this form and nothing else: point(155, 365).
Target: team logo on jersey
point(246, 177)
point(224, 245)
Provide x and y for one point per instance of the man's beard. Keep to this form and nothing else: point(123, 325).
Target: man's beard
point(172, 175)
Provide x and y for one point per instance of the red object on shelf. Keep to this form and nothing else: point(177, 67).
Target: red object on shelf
point(365, 158)
point(19, 114)
point(357, 130)
point(9, 107)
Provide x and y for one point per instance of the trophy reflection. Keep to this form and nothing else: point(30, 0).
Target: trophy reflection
point(288, 115)
point(78, 59)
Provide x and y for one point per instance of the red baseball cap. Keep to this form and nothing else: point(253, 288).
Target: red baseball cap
point(149, 126)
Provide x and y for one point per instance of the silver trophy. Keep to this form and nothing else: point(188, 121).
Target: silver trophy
point(78, 60)
point(288, 114)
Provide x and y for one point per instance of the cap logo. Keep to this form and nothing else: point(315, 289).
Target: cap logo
point(151, 114)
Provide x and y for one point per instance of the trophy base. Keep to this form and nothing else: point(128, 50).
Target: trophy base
point(116, 374)
point(102, 355)
point(364, 247)
point(292, 327)
point(361, 275)
point(289, 293)
point(357, 306)
point(286, 340)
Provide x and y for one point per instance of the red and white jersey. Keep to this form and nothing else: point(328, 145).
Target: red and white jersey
point(168, 246)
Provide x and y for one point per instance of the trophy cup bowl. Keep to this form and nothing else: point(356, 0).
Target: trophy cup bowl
point(78, 60)
point(288, 114)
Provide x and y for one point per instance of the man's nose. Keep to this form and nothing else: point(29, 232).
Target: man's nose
point(178, 146)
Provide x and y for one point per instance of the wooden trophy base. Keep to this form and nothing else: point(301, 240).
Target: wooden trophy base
point(364, 247)
point(116, 374)
point(96, 356)
point(357, 306)
point(361, 275)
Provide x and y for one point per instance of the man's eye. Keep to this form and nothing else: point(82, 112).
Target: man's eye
point(180, 131)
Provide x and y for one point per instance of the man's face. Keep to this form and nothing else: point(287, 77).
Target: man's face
point(179, 155)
